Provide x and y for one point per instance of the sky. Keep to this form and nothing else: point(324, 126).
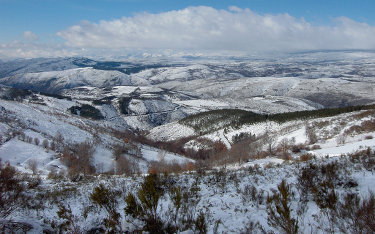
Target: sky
point(50, 28)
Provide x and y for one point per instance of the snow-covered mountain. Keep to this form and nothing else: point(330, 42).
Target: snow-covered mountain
point(297, 82)
point(55, 81)
point(50, 119)
point(321, 160)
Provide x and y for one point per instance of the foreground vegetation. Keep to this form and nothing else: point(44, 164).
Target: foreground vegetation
point(296, 197)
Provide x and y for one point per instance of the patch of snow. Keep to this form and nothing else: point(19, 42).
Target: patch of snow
point(171, 131)
point(347, 148)
point(19, 153)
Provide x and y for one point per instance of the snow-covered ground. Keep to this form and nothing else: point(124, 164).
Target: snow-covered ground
point(152, 154)
point(52, 119)
point(230, 200)
point(20, 154)
point(342, 149)
point(170, 132)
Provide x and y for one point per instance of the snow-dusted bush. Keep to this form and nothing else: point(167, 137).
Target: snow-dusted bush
point(45, 144)
point(356, 216)
point(33, 166)
point(70, 221)
point(78, 158)
point(280, 215)
point(144, 205)
point(340, 140)
point(36, 141)
point(106, 198)
point(12, 196)
point(311, 135)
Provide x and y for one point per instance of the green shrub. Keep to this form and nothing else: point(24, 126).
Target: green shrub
point(70, 221)
point(200, 223)
point(279, 212)
point(106, 199)
point(144, 206)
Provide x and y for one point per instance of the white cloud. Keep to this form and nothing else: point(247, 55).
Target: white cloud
point(17, 49)
point(29, 36)
point(206, 28)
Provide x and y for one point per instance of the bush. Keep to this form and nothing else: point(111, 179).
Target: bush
point(106, 198)
point(144, 207)
point(200, 223)
point(78, 158)
point(279, 212)
point(306, 157)
point(45, 143)
point(105, 100)
point(11, 190)
point(311, 135)
point(17, 94)
point(70, 223)
point(33, 166)
point(315, 147)
point(325, 195)
point(357, 216)
point(369, 137)
point(242, 136)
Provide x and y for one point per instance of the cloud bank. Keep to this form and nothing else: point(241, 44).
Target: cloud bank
point(206, 28)
point(17, 49)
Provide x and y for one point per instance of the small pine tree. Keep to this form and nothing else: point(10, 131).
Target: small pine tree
point(145, 207)
point(200, 223)
point(279, 212)
point(70, 224)
point(106, 199)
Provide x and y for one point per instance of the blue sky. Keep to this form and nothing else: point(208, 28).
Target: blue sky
point(41, 20)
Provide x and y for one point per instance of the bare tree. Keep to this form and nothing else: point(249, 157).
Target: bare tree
point(310, 133)
point(123, 166)
point(161, 155)
point(33, 165)
point(45, 143)
point(53, 146)
point(284, 147)
point(83, 158)
point(11, 190)
point(269, 140)
point(36, 141)
point(59, 141)
point(341, 139)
